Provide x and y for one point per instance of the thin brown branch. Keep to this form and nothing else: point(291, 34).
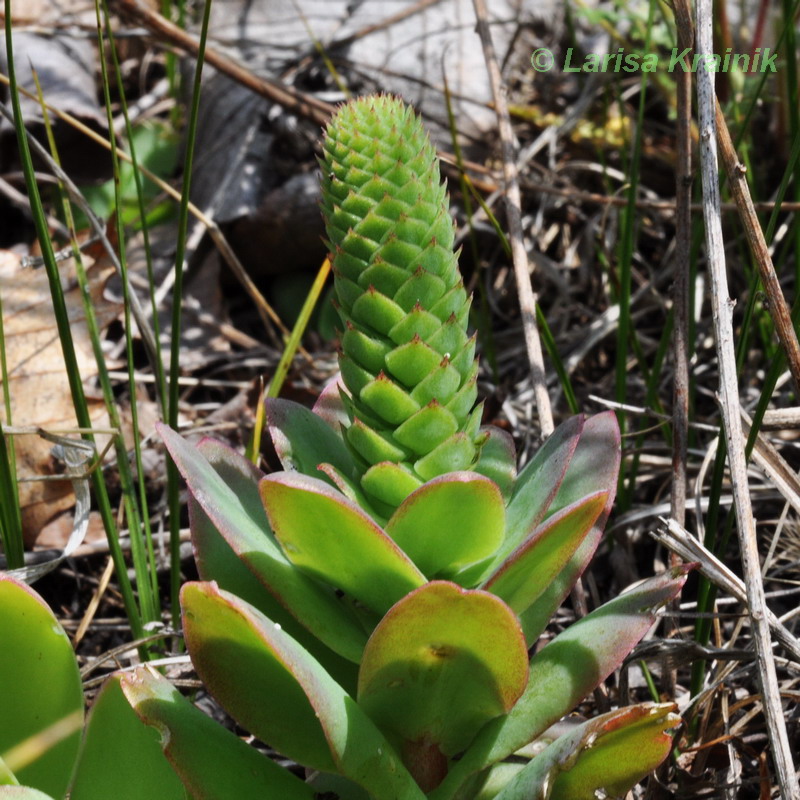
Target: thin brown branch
point(683, 247)
point(722, 308)
point(287, 96)
point(384, 24)
point(778, 307)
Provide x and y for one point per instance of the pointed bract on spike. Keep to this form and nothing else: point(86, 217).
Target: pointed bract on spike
point(400, 294)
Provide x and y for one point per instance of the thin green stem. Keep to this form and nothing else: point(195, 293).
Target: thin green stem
point(141, 538)
point(10, 514)
point(177, 296)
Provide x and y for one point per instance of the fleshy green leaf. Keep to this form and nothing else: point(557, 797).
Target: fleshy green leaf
point(538, 483)
point(121, 757)
point(235, 510)
point(422, 287)
point(303, 440)
point(449, 522)
point(390, 483)
point(453, 455)
point(372, 445)
point(593, 467)
point(216, 561)
point(22, 793)
point(418, 322)
point(276, 690)
point(498, 460)
point(426, 429)
point(331, 538)
point(440, 664)
point(528, 571)
point(376, 310)
point(369, 351)
point(412, 361)
point(566, 670)
point(603, 757)
point(39, 684)
point(244, 666)
point(350, 489)
point(212, 762)
point(389, 401)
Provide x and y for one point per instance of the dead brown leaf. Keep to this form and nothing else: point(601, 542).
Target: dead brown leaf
point(38, 385)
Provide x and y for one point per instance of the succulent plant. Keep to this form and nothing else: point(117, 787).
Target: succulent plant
point(370, 610)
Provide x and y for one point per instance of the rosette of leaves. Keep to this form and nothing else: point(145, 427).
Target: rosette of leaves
point(369, 610)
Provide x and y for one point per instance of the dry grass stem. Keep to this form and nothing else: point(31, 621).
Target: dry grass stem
point(680, 291)
point(678, 540)
point(513, 201)
point(722, 308)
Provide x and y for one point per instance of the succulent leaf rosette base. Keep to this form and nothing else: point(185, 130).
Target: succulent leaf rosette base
point(369, 610)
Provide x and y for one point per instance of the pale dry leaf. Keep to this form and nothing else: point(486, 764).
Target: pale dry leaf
point(38, 385)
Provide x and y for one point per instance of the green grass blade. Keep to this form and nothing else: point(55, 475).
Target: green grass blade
point(10, 517)
point(148, 604)
point(282, 370)
point(627, 245)
point(142, 551)
point(173, 496)
point(558, 364)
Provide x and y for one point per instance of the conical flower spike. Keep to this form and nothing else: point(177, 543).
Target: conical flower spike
point(407, 360)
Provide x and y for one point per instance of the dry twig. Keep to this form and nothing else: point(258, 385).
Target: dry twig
point(678, 540)
point(287, 96)
point(527, 299)
point(778, 307)
point(722, 308)
point(680, 292)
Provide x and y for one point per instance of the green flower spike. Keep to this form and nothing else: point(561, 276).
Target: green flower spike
point(407, 361)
